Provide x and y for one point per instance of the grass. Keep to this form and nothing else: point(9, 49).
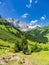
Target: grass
point(36, 58)
point(8, 32)
point(43, 46)
point(5, 45)
point(11, 62)
point(2, 51)
point(0, 64)
point(40, 58)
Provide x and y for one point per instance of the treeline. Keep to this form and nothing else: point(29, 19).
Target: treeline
point(38, 35)
point(22, 45)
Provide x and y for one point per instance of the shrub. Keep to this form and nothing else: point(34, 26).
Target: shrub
point(45, 49)
point(16, 48)
point(35, 48)
point(28, 52)
point(25, 47)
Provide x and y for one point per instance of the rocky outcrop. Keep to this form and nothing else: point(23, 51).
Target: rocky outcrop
point(18, 24)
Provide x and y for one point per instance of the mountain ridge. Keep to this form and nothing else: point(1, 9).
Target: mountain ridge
point(40, 35)
point(18, 24)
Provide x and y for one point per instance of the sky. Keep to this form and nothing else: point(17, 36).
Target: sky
point(32, 12)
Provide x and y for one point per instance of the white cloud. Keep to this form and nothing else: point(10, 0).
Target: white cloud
point(42, 18)
point(36, 25)
point(29, 5)
point(30, 1)
point(36, 1)
point(33, 22)
point(24, 15)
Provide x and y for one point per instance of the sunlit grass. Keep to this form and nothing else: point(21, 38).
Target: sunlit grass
point(37, 58)
point(40, 58)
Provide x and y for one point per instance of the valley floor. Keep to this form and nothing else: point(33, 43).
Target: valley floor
point(36, 58)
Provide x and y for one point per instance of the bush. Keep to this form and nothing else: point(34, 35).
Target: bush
point(46, 49)
point(28, 51)
point(16, 48)
point(35, 48)
point(25, 47)
point(22, 45)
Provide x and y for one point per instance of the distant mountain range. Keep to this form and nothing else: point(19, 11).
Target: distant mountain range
point(20, 25)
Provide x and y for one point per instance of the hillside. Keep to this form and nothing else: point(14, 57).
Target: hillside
point(8, 32)
point(12, 38)
point(9, 35)
point(40, 35)
point(18, 24)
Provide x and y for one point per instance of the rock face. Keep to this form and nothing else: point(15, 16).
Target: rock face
point(18, 24)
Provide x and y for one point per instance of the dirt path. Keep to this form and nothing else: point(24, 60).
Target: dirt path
point(19, 60)
point(27, 62)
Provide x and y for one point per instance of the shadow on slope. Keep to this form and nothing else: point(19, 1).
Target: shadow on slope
point(38, 36)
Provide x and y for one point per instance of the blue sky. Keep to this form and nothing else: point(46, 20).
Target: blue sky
point(33, 12)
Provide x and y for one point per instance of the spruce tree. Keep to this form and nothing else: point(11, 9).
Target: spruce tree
point(24, 44)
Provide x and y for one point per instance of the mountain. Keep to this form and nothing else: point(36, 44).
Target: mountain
point(21, 25)
point(8, 32)
point(12, 38)
point(18, 24)
point(9, 35)
point(12, 32)
point(39, 34)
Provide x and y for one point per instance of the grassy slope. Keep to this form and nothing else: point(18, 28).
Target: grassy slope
point(8, 35)
point(36, 58)
point(8, 31)
point(40, 35)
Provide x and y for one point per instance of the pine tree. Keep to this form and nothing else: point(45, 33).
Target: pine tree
point(24, 44)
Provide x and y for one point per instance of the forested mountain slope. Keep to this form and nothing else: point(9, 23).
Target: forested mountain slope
point(8, 32)
point(40, 35)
